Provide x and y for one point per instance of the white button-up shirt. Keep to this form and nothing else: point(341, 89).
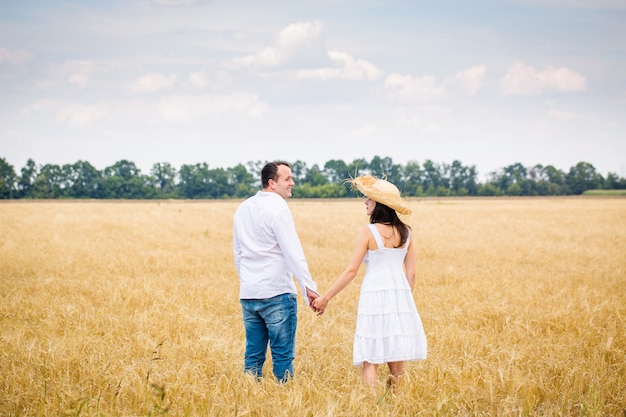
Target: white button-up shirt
point(267, 249)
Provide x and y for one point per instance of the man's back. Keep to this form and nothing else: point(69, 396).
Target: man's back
point(259, 257)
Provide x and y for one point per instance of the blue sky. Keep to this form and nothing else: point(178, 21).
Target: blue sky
point(488, 83)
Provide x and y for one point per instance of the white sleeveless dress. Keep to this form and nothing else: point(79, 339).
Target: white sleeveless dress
point(388, 326)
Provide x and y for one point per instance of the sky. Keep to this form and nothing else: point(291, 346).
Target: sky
point(489, 83)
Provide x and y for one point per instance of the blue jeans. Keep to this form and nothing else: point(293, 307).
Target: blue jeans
point(272, 320)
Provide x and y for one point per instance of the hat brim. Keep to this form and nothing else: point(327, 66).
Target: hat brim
point(381, 191)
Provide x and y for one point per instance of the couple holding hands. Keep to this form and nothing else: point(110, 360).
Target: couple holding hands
point(268, 254)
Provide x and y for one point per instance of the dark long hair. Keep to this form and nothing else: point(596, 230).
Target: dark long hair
point(386, 215)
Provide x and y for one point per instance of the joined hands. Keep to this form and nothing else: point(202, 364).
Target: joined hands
point(314, 303)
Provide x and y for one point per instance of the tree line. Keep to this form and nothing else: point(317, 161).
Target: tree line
point(123, 180)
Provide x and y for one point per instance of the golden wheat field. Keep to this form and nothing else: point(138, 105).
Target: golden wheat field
point(131, 309)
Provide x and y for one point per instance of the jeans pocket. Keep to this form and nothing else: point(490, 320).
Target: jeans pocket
point(274, 312)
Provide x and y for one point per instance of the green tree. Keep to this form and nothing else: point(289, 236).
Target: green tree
point(514, 189)
point(380, 167)
point(614, 182)
point(395, 174)
point(8, 179)
point(462, 179)
point(254, 168)
point(163, 179)
point(219, 185)
point(84, 179)
point(548, 180)
point(198, 181)
point(319, 191)
point(47, 183)
point(192, 180)
point(124, 169)
point(471, 180)
point(27, 178)
point(242, 180)
point(489, 189)
point(336, 171)
point(412, 179)
point(514, 174)
point(358, 167)
point(315, 176)
point(583, 177)
point(123, 180)
point(299, 171)
point(432, 177)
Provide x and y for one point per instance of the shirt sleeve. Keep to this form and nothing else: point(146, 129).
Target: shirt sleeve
point(236, 249)
point(289, 242)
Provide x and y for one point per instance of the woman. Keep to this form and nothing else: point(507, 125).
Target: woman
point(389, 329)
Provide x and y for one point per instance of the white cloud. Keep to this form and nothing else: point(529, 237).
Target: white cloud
point(470, 80)
point(348, 68)
point(75, 72)
point(41, 104)
point(78, 72)
point(198, 79)
point(242, 103)
point(297, 35)
point(301, 46)
point(182, 108)
point(268, 57)
point(153, 82)
point(406, 88)
point(426, 88)
point(79, 79)
point(14, 56)
point(186, 108)
point(522, 79)
point(298, 43)
point(78, 115)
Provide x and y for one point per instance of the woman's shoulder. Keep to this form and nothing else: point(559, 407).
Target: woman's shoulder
point(366, 231)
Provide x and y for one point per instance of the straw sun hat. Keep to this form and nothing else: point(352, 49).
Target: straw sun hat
point(381, 191)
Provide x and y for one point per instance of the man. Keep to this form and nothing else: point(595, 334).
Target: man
point(268, 254)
